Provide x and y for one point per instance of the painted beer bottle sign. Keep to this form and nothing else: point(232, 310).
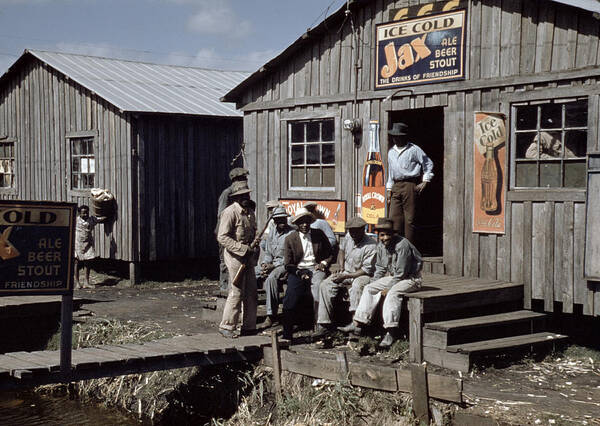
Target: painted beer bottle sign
point(373, 194)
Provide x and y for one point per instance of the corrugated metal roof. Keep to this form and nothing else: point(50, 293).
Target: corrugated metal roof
point(144, 87)
point(591, 5)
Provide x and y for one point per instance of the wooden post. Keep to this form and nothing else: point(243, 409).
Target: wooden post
point(133, 273)
point(66, 335)
point(276, 363)
point(344, 371)
point(415, 328)
point(420, 393)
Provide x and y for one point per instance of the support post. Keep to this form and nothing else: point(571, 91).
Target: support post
point(276, 363)
point(344, 370)
point(420, 392)
point(415, 329)
point(66, 335)
point(134, 271)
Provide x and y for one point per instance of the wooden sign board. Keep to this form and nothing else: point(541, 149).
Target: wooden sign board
point(428, 49)
point(36, 247)
point(489, 174)
point(333, 211)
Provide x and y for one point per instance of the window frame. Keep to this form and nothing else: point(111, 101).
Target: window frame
point(70, 137)
point(11, 189)
point(560, 100)
point(288, 117)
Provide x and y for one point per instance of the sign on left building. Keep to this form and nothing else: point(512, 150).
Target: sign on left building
point(36, 247)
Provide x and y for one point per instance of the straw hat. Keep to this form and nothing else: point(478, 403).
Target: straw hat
point(302, 212)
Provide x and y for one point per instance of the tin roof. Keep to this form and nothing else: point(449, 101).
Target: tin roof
point(322, 28)
point(144, 87)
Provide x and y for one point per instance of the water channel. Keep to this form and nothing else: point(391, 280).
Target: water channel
point(32, 409)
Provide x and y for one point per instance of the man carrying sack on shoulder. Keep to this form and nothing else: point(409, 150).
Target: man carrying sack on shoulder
point(237, 232)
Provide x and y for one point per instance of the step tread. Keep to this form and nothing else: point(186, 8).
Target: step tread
point(505, 342)
point(506, 317)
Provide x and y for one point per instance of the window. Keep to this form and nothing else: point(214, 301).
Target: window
point(83, 163)
point(312, 154)
point(7, 164)
point(550, 144)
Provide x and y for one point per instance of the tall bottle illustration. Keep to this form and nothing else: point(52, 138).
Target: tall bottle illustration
point(489, 181)
point(373, 194)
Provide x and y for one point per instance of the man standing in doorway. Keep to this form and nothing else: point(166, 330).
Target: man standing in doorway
point(409, 172)
point(237, 231)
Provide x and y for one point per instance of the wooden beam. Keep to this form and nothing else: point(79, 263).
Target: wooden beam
point(276, 363)
point(420, 393)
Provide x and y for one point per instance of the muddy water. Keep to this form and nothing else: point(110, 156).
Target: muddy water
point(32, 409)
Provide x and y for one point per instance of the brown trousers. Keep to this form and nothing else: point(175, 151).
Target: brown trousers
point(403, 205)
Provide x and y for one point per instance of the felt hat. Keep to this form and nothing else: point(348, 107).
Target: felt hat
point(239, 188)
point(280, 212)
point(238, 172)
point(398, 129)
point(271, 204)
point(302, 212)
point(310, 204)
point(356, 222)
point(384, 224)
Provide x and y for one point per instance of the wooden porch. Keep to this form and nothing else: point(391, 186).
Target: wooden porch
point(453, 319)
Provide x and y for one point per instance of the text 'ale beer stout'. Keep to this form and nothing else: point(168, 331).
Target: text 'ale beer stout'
point(373, 195)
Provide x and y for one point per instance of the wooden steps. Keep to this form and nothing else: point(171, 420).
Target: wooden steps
point(455, 343)
point(459, 357)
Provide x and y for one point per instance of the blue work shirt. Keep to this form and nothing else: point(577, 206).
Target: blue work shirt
point(408, 162)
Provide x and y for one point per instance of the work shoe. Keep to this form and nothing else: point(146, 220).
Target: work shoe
point(267, 323)
point(387, 341)
point(351, 328)
point(227, 333)
point(321, 331)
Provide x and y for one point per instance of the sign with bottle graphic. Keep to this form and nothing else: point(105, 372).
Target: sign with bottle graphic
point(333, 211)
point(489, 159)
point(373, 191)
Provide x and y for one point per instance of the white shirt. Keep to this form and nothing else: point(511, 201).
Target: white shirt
point(308, 261)
point(408, 162)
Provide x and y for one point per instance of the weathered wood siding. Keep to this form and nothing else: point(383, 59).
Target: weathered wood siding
point(40, 107)
point(182, 167)
point(514, 48)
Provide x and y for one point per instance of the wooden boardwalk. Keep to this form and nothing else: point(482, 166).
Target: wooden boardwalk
point(27, 369)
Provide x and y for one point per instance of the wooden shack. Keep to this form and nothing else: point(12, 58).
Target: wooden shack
point(531, 64)
point(156, 136)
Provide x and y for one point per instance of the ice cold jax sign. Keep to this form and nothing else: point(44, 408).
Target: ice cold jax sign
point(35, 249)
point(422, 50)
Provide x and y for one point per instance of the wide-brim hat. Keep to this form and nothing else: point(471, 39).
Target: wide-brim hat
point(240, 188)
point(280, 212)
point(302, 212)
point(398, 129)
point(238, 172)
point(356, 223)
point(384, 224)
point(310, 204)
point(271, 204)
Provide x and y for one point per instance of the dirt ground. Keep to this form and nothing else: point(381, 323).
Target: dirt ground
point(562, 388)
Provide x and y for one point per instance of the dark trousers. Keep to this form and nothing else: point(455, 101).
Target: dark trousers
point(403, 206)
point(297, 292)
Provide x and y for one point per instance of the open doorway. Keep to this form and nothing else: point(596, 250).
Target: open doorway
point(426, 129)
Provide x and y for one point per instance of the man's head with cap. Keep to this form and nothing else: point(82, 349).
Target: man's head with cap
point(238, 174)
point(398, 134)
point(311, 206)
point(356, 228)
point(240, 193)
point(271, 204)
point(303, 219)
point(385, 230)
point(280, 217)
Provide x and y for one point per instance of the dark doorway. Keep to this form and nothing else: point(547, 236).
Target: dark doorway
point(426, 129)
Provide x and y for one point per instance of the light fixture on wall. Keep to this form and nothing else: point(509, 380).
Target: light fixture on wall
point(352, 124)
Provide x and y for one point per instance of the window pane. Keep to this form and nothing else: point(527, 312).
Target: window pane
point(76, 149)
point(75, 167)
point(576, 114)
point(90, 146)
point(313, 154)
point(526, 174)
point(298, 154)
point(2, 151)
point(551, 116)
point(328, 153)
point(575, 174)
point(550, 174)
point(312, 131)
point(328, 130)
point(75, 181)
point(550, 145)
point(575, 143)
point(298, 177)
point(329, 176)
point(526, 117)
point(297, 132)
point(92, 165)
point(527, 146)
point(84, 165)
point(313, 176)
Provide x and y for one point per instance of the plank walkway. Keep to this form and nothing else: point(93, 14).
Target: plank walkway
point(27, 369)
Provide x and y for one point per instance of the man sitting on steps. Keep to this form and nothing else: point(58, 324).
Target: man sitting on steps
point(397, 271)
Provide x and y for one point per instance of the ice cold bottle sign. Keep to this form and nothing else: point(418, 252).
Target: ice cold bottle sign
point(373, 195)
